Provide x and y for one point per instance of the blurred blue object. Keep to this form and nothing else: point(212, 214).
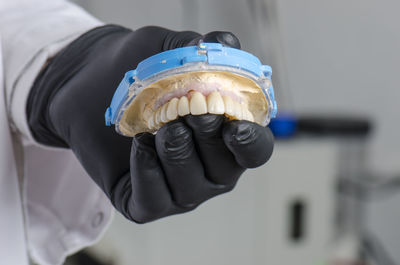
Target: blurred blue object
point(284, 125)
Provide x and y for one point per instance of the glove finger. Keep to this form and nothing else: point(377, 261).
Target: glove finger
point(250, 143)
point(177, 39)
point(219, 163)
point(150, 192)
point(182, 166)
point(224, 37)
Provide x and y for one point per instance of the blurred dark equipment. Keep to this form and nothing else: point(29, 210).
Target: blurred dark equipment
point(356, 185)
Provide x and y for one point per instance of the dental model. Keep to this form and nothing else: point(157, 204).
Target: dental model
point(195, 80)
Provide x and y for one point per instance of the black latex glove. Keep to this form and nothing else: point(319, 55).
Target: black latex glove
point(187, 162)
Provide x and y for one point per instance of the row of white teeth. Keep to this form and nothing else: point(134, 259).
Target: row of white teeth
point(197, 105)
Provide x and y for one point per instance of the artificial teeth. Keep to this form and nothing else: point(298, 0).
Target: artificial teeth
point(247, 115)
point(157, 118)
point(183, 106)
point(198, 104)
point(163, 114)
point(172, 110)
point(237, 110)
point(151, 123)
point(228, 104)
point(215, 103)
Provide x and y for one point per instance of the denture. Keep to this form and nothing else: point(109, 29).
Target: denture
point(236, 97)
point(197, 88)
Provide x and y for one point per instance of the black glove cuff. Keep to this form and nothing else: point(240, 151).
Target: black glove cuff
point(51, 79)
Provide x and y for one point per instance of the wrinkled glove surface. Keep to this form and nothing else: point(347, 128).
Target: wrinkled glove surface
point(148, 177)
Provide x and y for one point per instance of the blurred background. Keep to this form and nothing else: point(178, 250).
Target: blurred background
point(331, 192)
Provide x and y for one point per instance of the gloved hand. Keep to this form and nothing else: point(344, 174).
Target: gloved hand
point(187, 162)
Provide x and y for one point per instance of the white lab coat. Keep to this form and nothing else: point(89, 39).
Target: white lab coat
point(49, 206)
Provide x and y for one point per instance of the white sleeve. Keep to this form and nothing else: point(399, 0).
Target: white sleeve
point(33, 31)
point(64, 209)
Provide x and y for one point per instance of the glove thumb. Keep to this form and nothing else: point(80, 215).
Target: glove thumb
point(189, 38)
